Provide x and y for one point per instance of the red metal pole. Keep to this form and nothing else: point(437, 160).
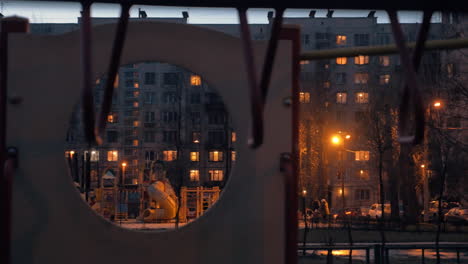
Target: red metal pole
point(291, 193)
point(8, 25)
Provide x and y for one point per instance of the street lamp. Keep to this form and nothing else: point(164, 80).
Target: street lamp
point(337, 140)
point(437, 104)
point(124, 165)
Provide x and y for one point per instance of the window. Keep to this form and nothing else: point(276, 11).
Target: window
point(340, 40)
point(169, 155)
point(304, 97)
point(170, 78)
point(149, 98)
point(149, 155)
point(194, 175)
point(195, 98)
point(384, 60)
point(112, 155)
point(383, 38)
point(339, 115)
point(361, 60)
point(362, 194)
point(362, 155)
point(169, 117)
point(150, 78)
point(384, 79)
point(362, 98)
point(169, 97)
point(233, 155)
point(136, 94)
point(304, 62)
point(454, 122)
point(135, 142)
point(150, 136)
point(305, 39)
point(169, 136)
point(341, 77)
point(341, 98)
point(216, 175)
point(112, 136)
point(135, 104)
point(195, 80)
point(341, 60)
point(233, 136)
point(216, 137)
point(326, 84)
point(94, 155)
point(112, 118)
point(216, 118)
point(149, 117)
point(136, 123)
point(194, 156)
point(196, 137)
point(363, 175)
point(321, 36)
point(216, 155)
point(359, 116)
point(195, 116)
point(361, 78)
point(361, 39)
point(136, 85)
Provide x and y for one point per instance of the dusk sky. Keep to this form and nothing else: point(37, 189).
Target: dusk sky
point(66, 12)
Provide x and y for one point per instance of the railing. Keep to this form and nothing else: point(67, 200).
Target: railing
point(381, 254)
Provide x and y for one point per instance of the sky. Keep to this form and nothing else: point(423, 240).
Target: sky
point(67, 12)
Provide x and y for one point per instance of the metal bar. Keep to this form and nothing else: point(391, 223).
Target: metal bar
point(458, 255)
point(367, 256)
point(271, 54)
point(448, 5)
point(255, 93)
point(291, 199)
point(87, 83)
point(412, 87)
point(117, 48)
point(422, 256)
point(382, 49)
point(8, 25)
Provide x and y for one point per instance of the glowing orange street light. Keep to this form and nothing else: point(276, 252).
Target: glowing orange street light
point(336, 140)
point(422, 166)
point(124, 164)
point(348, 136)
point(437, 104)
point(304, 192)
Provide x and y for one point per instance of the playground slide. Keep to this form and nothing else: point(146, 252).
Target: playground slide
point(166, 202)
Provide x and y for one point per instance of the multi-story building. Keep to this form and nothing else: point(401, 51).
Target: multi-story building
point(337, 97)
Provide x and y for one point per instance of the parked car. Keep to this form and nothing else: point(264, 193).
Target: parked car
point(457, 215)
point(433, 211)
point(347, 214)
point(375, 210)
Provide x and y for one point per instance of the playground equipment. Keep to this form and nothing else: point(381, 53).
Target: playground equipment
point(162, 194)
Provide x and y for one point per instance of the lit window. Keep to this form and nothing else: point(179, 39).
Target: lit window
point(112, 118)
point(341, 60)
point(216, 175)
point(361, 60)
point(326, 84)
point(340, 40)
point(233, 155)
point(169, 155)
point(136, 123)
point(94, 155)
point(195, 156)
point(341, 77)
point(233, 136)
point(384, 79)
point(135, 142)
point(361, 78)
point(136, 94)
point(341, 98)
point(112, 155)
point(136, 85)
point(135, 104)
point(196, 137)
point(116, 82)
point(362, 155)
point(98, 81)
point(304, 62)
point(362, 98)
point(384, 60)
point(194, 175)
point(195, 80)
point(363, 175)
point(216, 155)
point(304, 97)
point(69, 154)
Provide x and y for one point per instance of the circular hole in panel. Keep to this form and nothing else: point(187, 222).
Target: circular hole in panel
point(167, 152)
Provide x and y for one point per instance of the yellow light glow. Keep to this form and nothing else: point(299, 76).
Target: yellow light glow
point(422, 166)
point(361, 171)
point(335, 140)
point(437, 104)
point(124, 164)
point(304, 192)
point(72, 153)
point(348, 213)
point(348, 136)
point(340, 191)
